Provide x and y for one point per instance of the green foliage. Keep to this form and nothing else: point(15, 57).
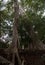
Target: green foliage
point(3, 45)
point(6, 17)
point(23, 33)
point(33, 14)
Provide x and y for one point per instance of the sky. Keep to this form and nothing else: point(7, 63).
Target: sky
point(7, 0)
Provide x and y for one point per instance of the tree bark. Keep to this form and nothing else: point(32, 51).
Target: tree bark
point(15, 33)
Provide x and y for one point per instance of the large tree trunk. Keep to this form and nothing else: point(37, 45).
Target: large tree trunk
point(15, 33)
point(0, 24)
point(15, 41)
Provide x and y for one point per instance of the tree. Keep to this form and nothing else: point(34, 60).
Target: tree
point(25, 25)
point(15, 41)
